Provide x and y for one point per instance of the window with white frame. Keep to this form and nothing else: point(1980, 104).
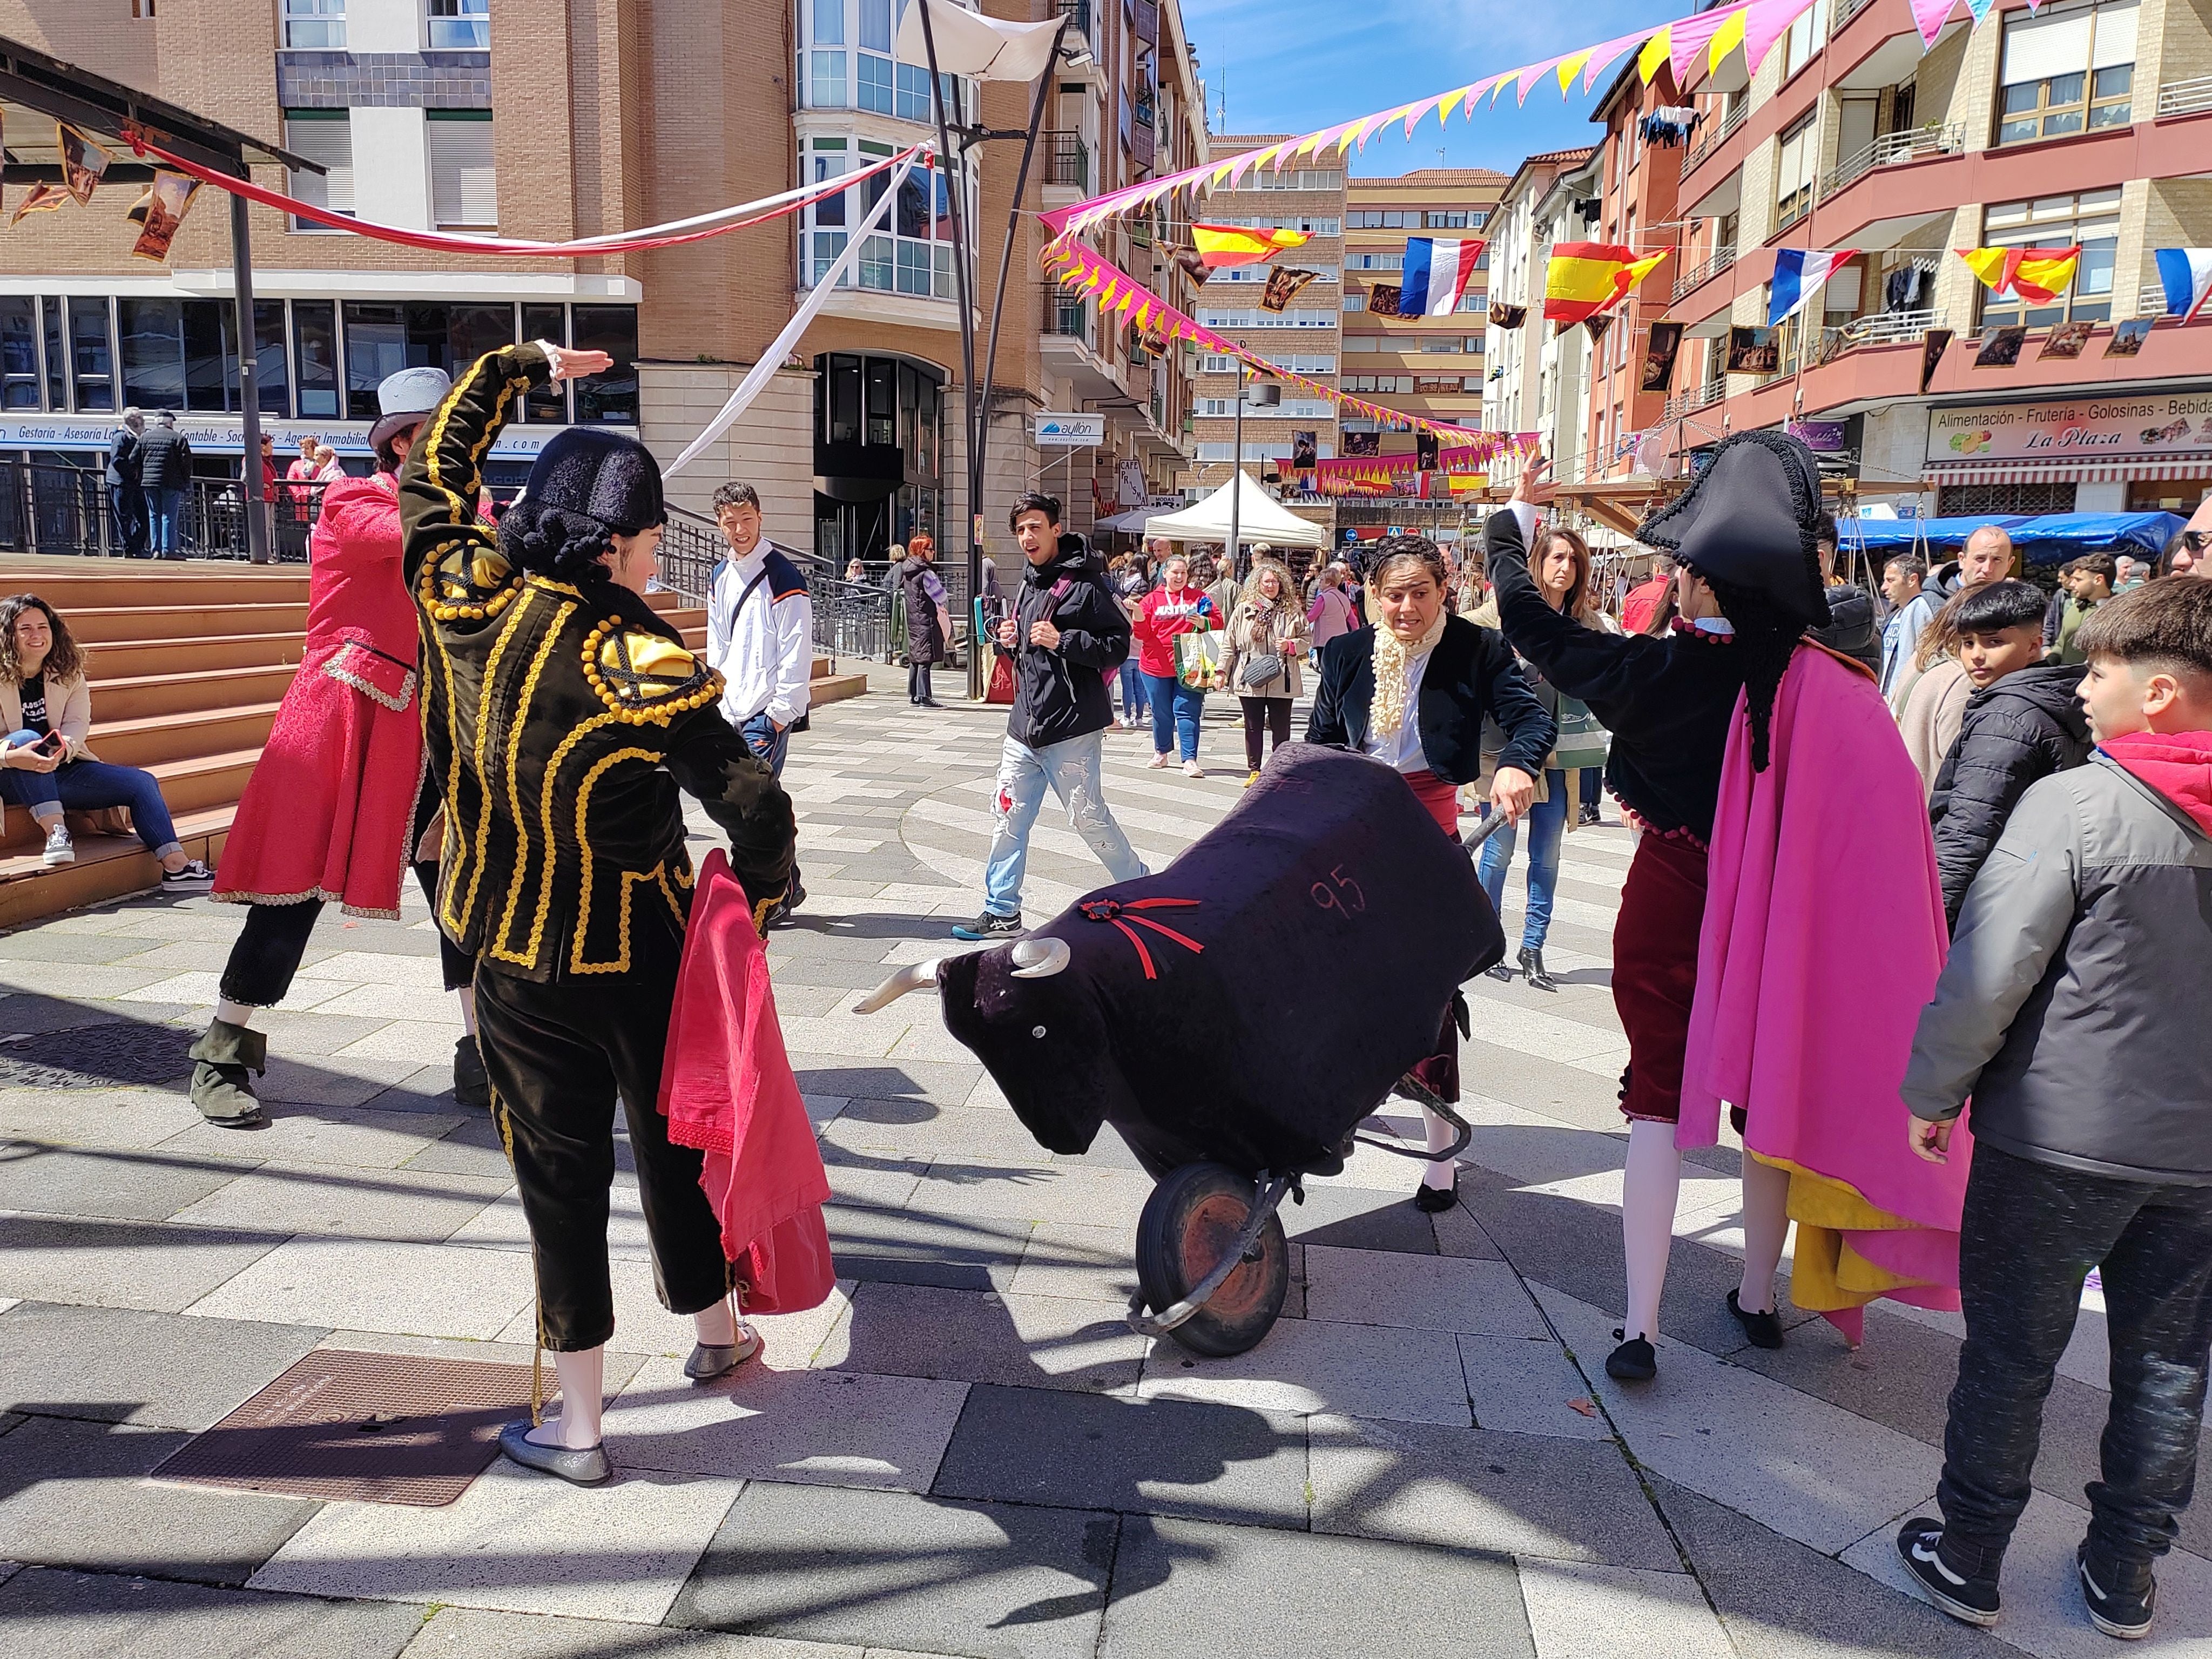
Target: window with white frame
point(314, 25)
point(1312, 227)
point(1214, 363)
point(1384, 384)
point(846, 62)
point(2092, 219)
point(1268, 318)
point(1260, 273)
point(2066, 70)
point(324, 136)
point(1296, 179)
point(1806, 36)
point(1375, 261)
point(912, 254)
point(1795, 159)
point(464, 184)
point(460, 25)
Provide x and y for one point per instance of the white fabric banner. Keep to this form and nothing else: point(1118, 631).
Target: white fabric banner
point(984, 47)
point(772, 359)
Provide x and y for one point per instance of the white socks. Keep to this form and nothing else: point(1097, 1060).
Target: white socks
point(582, 1379)
point(1653, 1180)
point(1441, 1135)
point(233, 1013)
point(716, 1326)
point(1765, 1226)
point(467, 993)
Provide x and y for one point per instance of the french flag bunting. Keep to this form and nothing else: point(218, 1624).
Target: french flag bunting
point(2187, 275)
point(1799, 273)
point(1435, 275)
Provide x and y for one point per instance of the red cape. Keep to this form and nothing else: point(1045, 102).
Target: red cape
point(727, 1089)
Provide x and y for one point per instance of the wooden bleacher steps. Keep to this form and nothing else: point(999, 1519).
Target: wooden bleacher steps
point(187, 663)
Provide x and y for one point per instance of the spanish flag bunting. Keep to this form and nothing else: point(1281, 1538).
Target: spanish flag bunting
point(2036, 275)
point(1222, 247)
point(1585, 278)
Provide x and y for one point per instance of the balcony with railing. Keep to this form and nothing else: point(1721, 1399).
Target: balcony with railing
point(1720, 135)
point(1067, 316)
point(1881, 328)
point(1078, 15)
point(1696, 397)
point(1067, 161)
point(1916, 144)
point(1718, 261)
point(2192, 97)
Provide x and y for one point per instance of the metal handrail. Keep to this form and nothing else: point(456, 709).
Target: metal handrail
point(1938, 138)
point(46, 507)
point(1881, 328)
point(1844, 10)
point(1689, 403)
point(1722, 259)
point(1719, 135)
point(2191, 97)
point(1068, 161)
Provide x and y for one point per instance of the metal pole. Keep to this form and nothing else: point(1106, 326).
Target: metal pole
point(1236, 470)
point(241, 272)
point(954, 189)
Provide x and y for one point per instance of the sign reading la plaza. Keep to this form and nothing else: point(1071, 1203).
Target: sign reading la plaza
point(2128, 428)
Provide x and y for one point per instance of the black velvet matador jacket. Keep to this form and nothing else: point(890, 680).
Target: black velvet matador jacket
point(559, 724)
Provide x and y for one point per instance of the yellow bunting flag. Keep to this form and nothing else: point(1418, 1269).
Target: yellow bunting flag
point(1726, 38)
point(1656, 51)
point(1585, 278)
point(1224, 245)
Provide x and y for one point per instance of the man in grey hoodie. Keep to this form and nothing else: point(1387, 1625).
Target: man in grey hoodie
point(2070, 1010)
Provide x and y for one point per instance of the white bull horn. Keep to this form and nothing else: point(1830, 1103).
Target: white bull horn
point(1041, 958)
point(913, 978)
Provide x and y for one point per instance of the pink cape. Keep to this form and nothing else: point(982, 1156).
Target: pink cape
point(1822, 940)
point(727, 1089)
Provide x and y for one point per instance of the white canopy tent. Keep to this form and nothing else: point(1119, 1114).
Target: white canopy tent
point(985, 47)
point(1260, 518)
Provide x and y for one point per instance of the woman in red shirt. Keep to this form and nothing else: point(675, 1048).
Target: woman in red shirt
point(1172, 608)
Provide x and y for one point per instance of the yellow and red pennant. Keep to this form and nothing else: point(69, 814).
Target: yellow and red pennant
point(1223, 246)
point(1585, 278)
point(2036, 275)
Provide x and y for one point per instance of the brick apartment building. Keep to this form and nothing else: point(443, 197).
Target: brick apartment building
point(532, 120)
point(2086, 122)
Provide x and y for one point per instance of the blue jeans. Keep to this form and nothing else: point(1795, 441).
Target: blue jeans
point(165, 510)
point(1134, 704)
point(1593, 786)
point(1546, 820)
point(1175, 709)
point(85, 786)
point(129, 502)
point(766, 742)
point(1075, 772)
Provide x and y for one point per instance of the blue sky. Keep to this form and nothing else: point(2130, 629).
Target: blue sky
point(1295, 65)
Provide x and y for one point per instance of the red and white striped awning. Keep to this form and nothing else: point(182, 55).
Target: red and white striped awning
point(2005, 472)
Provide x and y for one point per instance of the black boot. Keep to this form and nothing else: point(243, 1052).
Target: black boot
point(220, 1088)
point(471, 1084)
point(1531, 969)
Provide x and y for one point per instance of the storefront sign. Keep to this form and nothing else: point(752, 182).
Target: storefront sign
point(226, 435)
point(1821, 437)
point(2106, 429)
point(1071, 431)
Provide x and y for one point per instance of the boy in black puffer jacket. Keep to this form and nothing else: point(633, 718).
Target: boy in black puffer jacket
point(2023, 722)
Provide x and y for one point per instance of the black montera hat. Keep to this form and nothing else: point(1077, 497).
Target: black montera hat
point(1748, 522)
point(601, 474)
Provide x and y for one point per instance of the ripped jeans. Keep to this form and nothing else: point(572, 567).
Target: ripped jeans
point(1075, 773)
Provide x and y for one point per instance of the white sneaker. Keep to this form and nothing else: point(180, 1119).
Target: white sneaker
point(1193, 769)
point(1157, 762)
point(59, 850)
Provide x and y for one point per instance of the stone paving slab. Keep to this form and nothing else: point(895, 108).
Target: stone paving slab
point(1437, 1293)
point(516, 1541)
point(432, 1290)
point(116, 1186)
point(472, 1633)
point(884, 1569)
point(1306, 1365)
point(314, 1199)
point(75, 1494)
point(1187, 1589)
point(981, 1336)
point(1576, 1611)
point(120, 1264)
point(151, 1368)
point(76, 1615)
point(1158, 1457)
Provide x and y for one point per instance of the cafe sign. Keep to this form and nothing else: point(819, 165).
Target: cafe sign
point(2151, 427)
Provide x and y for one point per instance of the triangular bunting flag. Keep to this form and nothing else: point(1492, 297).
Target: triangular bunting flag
point(1929, 16)
point(1655, 52)
point(1726, 38)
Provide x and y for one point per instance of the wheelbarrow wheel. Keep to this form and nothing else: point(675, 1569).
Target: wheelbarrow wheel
point(1191, 1218)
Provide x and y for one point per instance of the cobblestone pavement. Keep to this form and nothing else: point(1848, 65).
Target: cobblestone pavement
point(966, 1451)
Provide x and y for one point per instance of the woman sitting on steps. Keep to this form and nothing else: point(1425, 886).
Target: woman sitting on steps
point(46, 709)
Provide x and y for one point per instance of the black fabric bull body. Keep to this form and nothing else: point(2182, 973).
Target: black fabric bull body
point(1253, 1002)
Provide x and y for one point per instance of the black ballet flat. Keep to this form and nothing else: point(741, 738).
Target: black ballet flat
point(1434, 1200)
point(1634, 1361)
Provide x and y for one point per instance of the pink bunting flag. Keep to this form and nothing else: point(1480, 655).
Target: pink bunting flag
point(1686, 42)
point(1604, 58)
point(1767, 21)
point(1533, 73)
point(1929, 15)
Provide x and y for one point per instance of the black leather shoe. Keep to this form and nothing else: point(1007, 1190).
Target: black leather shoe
point(1761, 1330)
point(1436, 1200)
point(1634, 1361)
point(471, 1082)
point(1532, 969)
point(1503, 973)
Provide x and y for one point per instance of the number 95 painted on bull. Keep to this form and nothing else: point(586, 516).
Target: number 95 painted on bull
point(1340, 893)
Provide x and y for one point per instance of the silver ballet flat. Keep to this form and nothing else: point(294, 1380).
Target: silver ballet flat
point(707, 1363)
point(588, 1468)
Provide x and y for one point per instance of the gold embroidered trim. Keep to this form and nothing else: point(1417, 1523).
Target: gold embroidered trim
point(630, 878)
point(517, 725)
point(702, 688)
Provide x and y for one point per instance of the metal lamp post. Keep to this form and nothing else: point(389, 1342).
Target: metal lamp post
point(1263, 396)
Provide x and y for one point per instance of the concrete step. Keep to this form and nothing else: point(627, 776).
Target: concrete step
point(133, 584)
point(145, 696)
point(160, 622)
point(107, 867)
point(152, 740)
point(835, 687)
point(120, 659)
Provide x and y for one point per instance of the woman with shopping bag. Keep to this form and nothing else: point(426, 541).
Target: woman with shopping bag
point(1181, 657)
point(1268, 634)
point(1561, 569)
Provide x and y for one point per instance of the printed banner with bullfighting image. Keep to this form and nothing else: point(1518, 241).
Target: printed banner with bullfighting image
point(1659, 354)
point(161, 212)
point(83, 162)
point(1282, 285)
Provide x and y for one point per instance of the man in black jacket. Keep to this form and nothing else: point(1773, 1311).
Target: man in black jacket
point(1069, 637)
point(165, 463)
point(1851, 628)
point(125, 492)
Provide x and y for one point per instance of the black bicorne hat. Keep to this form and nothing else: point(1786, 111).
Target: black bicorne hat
point(1748, 522)
point(601, 474)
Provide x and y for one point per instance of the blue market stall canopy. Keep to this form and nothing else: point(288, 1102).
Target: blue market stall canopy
point(2077, 532)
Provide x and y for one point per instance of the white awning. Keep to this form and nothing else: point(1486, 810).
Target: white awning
point(1260, 518)
point(983, 47)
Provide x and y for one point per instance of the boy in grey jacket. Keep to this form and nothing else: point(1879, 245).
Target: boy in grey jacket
point(2071, 1011)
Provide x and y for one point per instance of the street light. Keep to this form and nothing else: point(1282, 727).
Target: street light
point(1269, 396)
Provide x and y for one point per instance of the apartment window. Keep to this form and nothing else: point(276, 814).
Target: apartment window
point(179, 353)
point(2092, 219)
point(382, 339)
point(2066, 71)
point(1356, 301)
point(1805, 35)
point(315, 356)
point(1386, 384)
point(314, 25)
point(91, 360)
point(50, 322)
point(272, 383)
point(464, 184)
point(548, 405)
point(1447, 386)
point(915, 257)
point(611, 397)
point(1305, 178)
point(19, 352)
point(1363, 344)
point(1793, 172)
point(1453, 219)
point(1374, 262)
point(323, 135)
point(142, 9)
point(460, 25)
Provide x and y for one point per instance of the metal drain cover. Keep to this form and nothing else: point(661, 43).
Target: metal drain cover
point(376, 1428)
point(96, 1056)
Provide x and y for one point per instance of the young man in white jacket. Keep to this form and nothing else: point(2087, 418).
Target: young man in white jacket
point(760, 639)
